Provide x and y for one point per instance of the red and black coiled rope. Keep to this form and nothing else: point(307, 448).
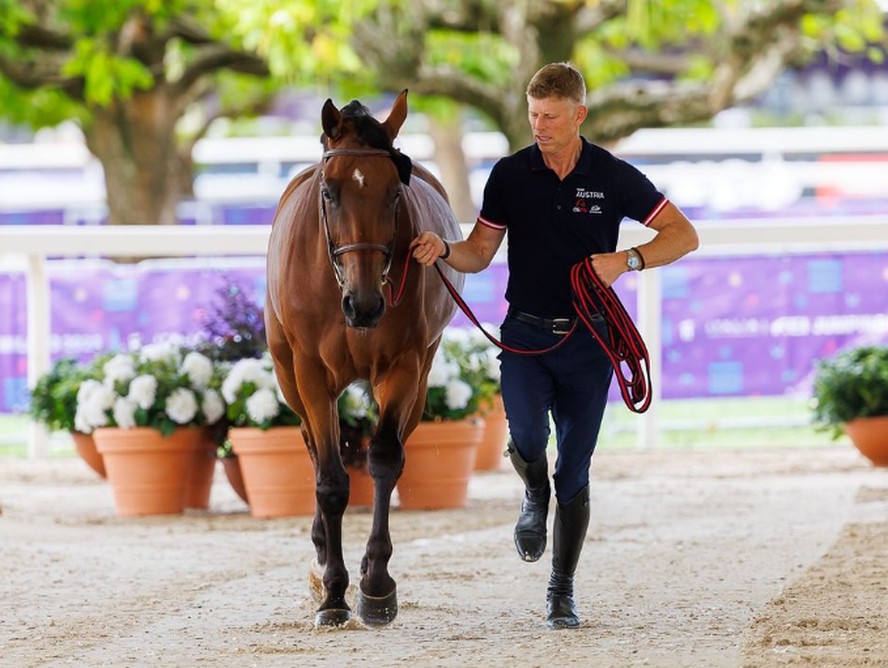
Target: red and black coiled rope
point(623, 346)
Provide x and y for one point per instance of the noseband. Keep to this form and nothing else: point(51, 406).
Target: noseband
point(333, 251)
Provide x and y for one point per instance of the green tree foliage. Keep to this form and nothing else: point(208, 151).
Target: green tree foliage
point(647, 63)
point(130, 71)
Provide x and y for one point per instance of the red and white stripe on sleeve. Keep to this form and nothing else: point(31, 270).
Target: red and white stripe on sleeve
point(655, 212)
point(491, 224)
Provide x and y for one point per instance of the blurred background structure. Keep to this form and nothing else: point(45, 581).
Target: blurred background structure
point(766, 121)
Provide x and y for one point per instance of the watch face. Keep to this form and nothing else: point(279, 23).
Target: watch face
point(633, 262)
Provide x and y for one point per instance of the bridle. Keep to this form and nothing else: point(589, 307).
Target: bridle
point(333, 251)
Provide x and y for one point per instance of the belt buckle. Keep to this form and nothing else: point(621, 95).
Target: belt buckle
point(561, 325)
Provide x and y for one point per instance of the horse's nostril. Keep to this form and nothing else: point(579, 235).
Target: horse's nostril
point(348, 306)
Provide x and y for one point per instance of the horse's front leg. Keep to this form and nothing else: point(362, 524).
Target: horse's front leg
point(376, 601)
point(285, 364)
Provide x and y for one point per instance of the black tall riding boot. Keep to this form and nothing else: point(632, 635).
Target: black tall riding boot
point(530, 531)
point(568, 534)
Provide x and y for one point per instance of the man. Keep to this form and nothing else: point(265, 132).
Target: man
point(561, 199)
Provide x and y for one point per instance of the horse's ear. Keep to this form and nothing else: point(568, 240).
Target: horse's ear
point(397, 116)
point(331, 119)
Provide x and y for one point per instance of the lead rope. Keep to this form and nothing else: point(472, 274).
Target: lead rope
point(623, 344)
point(393, 299)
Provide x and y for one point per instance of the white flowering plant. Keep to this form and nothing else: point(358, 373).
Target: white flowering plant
point(464, 376)
point(358, 412)
point(160, 385)
point(253, 396)
point(477, 360)
point(53, 399)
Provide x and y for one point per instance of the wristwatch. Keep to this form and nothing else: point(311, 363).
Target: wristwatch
point(633, 260)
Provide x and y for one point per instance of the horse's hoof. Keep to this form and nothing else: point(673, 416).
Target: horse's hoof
point(376, 610)
point(332, 617)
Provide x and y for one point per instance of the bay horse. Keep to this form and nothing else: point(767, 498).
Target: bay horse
point(341, 233)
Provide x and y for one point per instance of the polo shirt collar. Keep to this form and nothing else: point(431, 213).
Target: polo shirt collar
point(583, 166)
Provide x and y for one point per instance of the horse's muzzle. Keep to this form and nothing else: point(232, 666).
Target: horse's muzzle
point(363, 312)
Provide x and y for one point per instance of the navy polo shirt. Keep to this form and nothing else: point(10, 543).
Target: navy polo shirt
point(554, 224)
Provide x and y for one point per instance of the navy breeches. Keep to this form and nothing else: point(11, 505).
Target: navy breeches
point(570, 382)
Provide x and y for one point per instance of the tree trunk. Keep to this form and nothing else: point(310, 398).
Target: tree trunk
point(447, 135)
point(135, 142)
point(516, 127)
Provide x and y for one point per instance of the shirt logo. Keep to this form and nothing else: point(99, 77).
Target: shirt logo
point(583, 199)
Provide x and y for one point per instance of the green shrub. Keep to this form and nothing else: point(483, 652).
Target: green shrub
point(853, 384)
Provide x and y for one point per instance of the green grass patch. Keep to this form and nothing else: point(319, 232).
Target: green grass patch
point(14, 438)
point(730, 423)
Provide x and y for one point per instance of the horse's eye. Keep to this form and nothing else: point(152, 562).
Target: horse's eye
point(326, 194)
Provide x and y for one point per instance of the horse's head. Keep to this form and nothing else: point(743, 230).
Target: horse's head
point(361, 176)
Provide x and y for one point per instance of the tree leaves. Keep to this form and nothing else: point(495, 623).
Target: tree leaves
point(106, 75)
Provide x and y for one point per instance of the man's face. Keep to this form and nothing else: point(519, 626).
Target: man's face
point(555, 122)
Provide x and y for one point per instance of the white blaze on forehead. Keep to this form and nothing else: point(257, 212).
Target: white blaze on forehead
point(358, 178)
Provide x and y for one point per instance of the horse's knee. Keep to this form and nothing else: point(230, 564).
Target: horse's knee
point(386, 453)
point(385, 462)
point(332, 496)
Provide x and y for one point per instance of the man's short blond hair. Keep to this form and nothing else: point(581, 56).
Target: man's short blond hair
point(558, 80)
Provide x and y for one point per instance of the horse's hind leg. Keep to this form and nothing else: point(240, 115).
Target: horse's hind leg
point(319, 539)
point(376, 602)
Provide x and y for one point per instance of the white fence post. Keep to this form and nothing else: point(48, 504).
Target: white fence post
point(651, 330)
point(38, 305)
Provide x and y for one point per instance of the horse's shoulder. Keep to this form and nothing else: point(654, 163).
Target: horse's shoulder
point(297, 181)
point(301, 178)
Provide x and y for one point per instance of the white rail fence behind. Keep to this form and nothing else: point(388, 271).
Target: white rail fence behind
point(35, 244)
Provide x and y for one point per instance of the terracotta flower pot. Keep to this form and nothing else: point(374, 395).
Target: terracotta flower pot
point(496, 433)
point(870, 436)
point(149, 472)
point(85, 445)
point(232, 468)
point(202, 472)
point(360, 493)
point(277, 470)
point(440, 457)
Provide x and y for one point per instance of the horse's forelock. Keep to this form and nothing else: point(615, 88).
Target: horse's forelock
point(354, 108)
point(367, 129)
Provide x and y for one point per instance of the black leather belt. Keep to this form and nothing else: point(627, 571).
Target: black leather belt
point(554, 325)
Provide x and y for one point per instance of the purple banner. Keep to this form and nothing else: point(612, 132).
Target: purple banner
point(730, 326)
point(756, 326)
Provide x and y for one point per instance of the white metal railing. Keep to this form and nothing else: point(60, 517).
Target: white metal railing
point(734, 237)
